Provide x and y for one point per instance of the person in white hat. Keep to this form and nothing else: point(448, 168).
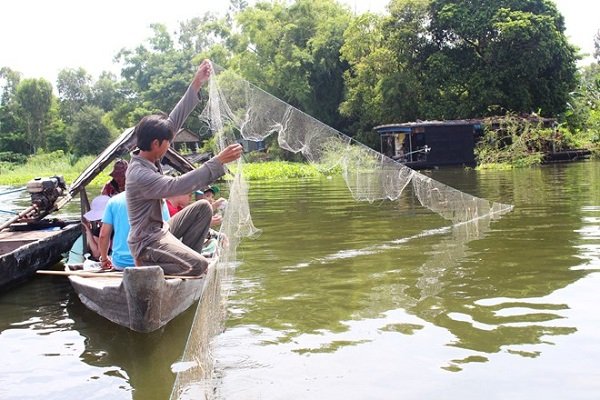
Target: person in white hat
point(91, 222)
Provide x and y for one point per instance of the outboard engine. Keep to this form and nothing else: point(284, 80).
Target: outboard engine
point(44, 193)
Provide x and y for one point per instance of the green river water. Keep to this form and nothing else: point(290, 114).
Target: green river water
point(338, 299)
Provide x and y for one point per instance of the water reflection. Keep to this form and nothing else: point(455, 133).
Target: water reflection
point(336, 275)
point(12, 200)
point(40, 350)
point(487, 305)
point(143, 361)
point(52, 347)
point(338, 299)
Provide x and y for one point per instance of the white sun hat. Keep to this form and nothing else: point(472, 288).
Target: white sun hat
point(97, 209)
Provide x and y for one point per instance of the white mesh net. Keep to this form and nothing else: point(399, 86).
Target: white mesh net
point(238, 110)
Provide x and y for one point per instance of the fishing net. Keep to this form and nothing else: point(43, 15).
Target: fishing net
point(237, 110)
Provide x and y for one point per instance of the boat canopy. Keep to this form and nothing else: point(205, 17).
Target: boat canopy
point(121, 146)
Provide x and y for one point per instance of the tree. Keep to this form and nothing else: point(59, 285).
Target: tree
point(74, 91)
point(87, 134)
point(56, 137)
point(385, 54)
point(506, 54)
point(34, 98)
point(198, 34)
point(156, 76)
point(9, 79)
point(583, 113)
point(445, 59)
point(597, 46)
point(9, 116)
point(293, 52)
point(107, 93)
point(157, 73)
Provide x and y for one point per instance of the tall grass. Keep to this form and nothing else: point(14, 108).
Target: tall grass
point(45, 165)
point(59, 163)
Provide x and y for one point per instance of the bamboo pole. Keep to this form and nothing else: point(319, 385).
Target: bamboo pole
point(17, 217)
point(88, 274)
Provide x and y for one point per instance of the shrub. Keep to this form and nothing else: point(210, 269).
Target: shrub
point(11, 157)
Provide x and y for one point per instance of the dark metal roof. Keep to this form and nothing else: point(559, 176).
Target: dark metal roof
point(408, 126)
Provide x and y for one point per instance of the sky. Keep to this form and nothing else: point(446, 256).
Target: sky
point(39, 37)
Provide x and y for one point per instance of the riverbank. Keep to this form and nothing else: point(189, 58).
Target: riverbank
point(58, 163)
point(45, 165)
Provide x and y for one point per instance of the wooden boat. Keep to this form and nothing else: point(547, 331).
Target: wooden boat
point(139, 298)
point(142, 299)
point(30, 241)
point(23, 252)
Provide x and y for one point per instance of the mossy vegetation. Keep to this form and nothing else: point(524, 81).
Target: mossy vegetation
point(279, 170)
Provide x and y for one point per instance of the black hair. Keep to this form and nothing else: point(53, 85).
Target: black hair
point(151, 127)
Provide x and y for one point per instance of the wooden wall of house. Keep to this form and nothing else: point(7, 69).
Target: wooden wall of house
point(450, 144)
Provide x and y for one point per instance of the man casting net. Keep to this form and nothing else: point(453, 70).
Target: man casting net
point(237, 110)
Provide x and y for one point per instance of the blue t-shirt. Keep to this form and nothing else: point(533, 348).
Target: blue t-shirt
point(116, 215)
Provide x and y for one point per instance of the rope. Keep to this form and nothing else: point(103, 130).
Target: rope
point(9, 212)
point(13, 191)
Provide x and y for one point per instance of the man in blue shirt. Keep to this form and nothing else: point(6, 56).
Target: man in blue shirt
point(115, 219)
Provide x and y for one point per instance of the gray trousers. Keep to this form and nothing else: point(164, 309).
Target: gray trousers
point(178, 253)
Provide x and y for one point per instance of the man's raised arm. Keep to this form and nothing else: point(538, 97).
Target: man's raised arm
point(190, 100)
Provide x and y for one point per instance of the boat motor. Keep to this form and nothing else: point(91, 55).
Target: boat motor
point(44, 193)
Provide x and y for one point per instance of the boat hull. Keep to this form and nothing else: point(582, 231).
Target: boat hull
point(142, 300)
point(25, 252)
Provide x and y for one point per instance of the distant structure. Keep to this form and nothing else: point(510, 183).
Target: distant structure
point(250, 145)
point(429, 144)
point(426, 144)
point(186, 139)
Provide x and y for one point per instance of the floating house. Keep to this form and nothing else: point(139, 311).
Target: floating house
point(430, 144)
point(250, 145)
point(426, 144)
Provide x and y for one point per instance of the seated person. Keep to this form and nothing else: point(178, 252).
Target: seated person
point(218, 205)
point(209, 193)
point(91, 222)
point(117, 183)
point(115, 224)
point(177, 203)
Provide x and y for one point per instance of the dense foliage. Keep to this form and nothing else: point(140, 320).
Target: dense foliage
point(451, 59)
point(423, 59)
